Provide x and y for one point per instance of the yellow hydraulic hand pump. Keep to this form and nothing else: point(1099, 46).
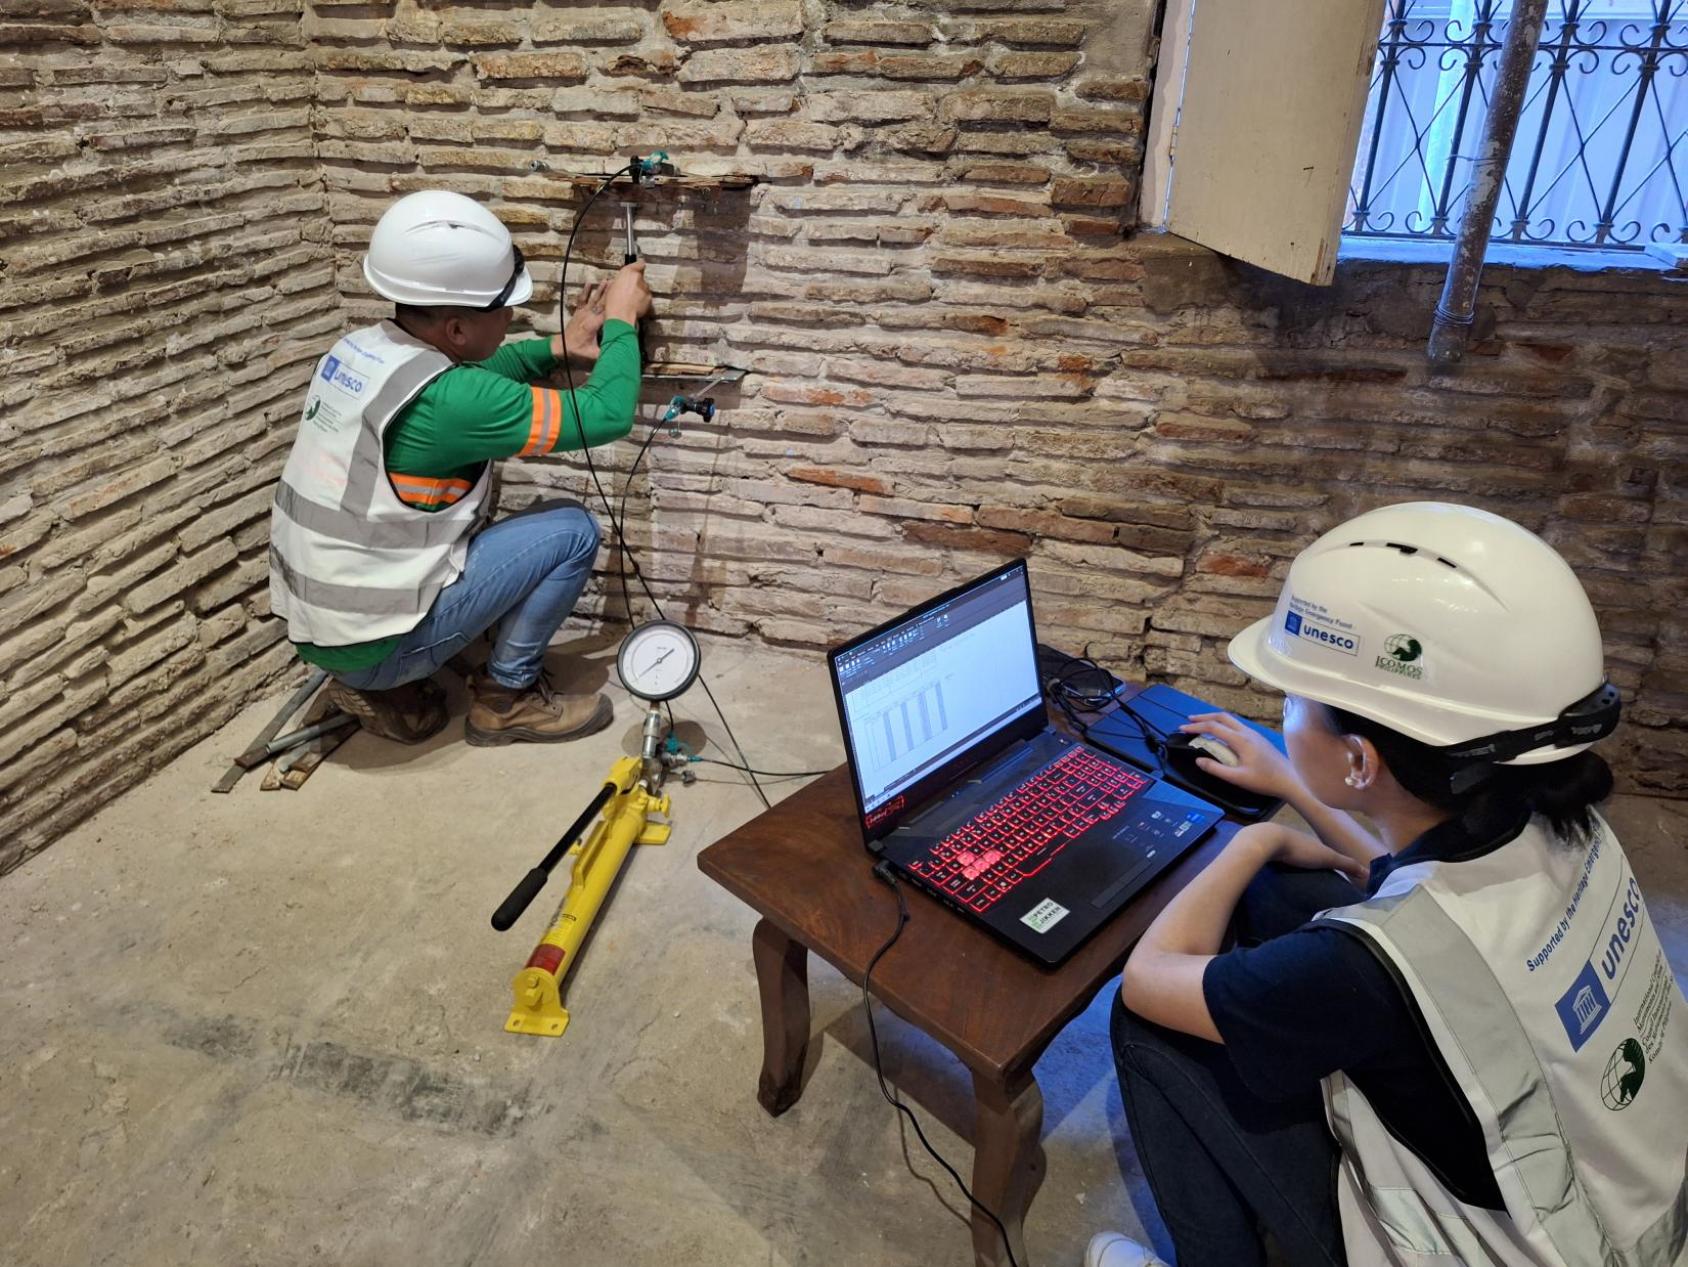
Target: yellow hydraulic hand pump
point(627, 820)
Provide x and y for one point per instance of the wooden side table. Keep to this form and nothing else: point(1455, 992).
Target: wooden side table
point(802, 867)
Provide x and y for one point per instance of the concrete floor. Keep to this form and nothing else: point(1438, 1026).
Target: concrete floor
point(266, 1029)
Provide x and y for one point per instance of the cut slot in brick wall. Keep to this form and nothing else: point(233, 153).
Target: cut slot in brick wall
point(959, 358)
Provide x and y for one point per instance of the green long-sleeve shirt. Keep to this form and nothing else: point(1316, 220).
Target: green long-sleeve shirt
point(477, 413)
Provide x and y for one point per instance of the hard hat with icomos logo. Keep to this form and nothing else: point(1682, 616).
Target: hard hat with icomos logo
point(1451, 625)
point(437, 247)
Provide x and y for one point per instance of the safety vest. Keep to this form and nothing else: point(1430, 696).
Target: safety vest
point(352, 557)
point(1542, 984)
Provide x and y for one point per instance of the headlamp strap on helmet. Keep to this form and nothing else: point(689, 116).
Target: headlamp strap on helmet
point(1592, 717)
point(509, 286)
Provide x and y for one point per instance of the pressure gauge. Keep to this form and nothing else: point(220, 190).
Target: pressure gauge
point(658, 661)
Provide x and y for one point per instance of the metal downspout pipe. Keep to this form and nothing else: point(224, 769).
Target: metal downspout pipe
point(1457, 308)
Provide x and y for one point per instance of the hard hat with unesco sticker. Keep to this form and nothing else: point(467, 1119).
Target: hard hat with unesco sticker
point(1451, 625)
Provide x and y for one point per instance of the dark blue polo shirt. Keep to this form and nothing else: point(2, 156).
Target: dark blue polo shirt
point(1297, 1007)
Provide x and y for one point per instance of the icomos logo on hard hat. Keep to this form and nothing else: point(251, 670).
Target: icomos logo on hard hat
point(1401, 653)
point(1446, 623)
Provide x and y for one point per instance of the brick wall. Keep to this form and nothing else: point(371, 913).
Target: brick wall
point(164, 284)
point(958, 356)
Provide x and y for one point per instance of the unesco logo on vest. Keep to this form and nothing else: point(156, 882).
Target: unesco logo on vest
point(334, 372)
point(1585, 1004)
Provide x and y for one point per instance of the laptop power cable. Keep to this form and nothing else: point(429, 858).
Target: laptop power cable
point(1082, 685)
point(882, 870)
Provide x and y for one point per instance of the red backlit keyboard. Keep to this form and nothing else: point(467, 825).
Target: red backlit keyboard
point(982, 861)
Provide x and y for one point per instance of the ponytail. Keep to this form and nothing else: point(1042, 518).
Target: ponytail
point(1564, 792)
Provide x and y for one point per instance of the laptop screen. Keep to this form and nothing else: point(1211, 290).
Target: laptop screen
point(922, 691)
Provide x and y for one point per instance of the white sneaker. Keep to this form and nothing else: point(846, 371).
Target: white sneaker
point(1110, 1249)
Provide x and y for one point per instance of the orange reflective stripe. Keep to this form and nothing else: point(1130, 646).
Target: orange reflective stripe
point(425, 491)
point(536, 429)
point(547, 421)
point(553, 417)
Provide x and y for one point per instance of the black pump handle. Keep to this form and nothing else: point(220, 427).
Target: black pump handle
point(510, 910)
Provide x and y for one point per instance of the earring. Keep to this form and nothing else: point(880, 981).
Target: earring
point(1352, 781)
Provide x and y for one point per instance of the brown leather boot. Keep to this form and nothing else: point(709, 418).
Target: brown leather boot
point(405, 714)
point(536, 714)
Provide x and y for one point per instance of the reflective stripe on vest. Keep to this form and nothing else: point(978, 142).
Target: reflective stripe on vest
point(352, 559)
point(363, 600)
point(369, 467)
point(1544, 987)
point(420, 533)
point(427, 492)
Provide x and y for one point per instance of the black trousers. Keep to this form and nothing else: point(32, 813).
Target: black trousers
point(1223, 1163)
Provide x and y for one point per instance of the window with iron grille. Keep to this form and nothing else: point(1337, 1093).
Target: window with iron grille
point(1601, 156)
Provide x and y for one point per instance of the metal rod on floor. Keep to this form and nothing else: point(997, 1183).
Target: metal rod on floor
point(258, 751)
point(1455, 312)
point(307, 733)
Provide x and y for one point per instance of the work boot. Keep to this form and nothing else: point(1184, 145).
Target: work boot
point(405, 714)
point(536, 713)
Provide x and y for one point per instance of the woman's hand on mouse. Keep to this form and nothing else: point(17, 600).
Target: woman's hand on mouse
point(1260, 766)
point(1273, 842)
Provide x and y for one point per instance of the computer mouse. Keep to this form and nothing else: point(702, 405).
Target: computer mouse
point(1218, 749)
point(1184, 749)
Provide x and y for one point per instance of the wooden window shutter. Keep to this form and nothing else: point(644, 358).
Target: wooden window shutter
point(1269, 116)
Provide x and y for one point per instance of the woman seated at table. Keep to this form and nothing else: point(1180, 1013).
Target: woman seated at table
point(1451, 1037)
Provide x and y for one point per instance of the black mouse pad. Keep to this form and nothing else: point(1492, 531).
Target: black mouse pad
point(1159, 711)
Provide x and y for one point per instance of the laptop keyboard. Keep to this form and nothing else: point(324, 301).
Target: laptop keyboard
point(982, 861)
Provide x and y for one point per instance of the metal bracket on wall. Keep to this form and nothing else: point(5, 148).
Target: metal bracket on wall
point(692, 371)
point(726, 180)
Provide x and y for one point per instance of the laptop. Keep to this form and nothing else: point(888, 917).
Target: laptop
point(968, 792)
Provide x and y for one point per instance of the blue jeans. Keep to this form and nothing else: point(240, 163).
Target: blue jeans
point(1222, 1162)
point(523, 574)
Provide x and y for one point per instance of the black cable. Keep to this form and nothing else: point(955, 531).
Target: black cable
point(568, 378)
point(884, 872)
point(627, 484)
point(737, 747)
point(1069, 699)
point(766, 774)
point(734, 765)
point(1060, 685)
point(1067, 710)
point(624, 554)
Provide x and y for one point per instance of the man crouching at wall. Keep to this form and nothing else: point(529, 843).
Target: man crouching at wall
point(380, 560)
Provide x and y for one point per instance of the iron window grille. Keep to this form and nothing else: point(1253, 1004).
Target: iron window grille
point(1600, 160)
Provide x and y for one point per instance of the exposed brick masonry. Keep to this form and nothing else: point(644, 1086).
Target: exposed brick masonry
point(958, 356)
point(165, 283)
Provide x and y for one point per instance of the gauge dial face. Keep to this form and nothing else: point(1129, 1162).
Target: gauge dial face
point(658, 661)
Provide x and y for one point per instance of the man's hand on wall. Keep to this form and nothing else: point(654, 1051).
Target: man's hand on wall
point(628, 297)
point(579, 339)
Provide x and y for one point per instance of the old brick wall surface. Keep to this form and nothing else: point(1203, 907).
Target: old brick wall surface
point(165, 283)
point(958, 357)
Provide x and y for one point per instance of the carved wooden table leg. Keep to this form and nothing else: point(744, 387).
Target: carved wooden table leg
point(782, 977)
point(1007, 1163)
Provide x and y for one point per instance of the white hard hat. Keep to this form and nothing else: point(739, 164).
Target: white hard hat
point(1448, 624)
point(437, 247)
